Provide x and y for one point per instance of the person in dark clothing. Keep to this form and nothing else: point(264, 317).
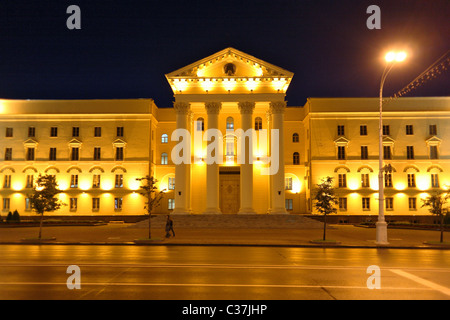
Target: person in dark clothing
point(169, 227)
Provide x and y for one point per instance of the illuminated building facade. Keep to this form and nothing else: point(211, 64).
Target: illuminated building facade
point(97, 148)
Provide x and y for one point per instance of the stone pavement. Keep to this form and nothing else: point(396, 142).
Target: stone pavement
point(263, 230)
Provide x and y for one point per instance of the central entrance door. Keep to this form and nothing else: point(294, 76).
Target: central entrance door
point(229, 192)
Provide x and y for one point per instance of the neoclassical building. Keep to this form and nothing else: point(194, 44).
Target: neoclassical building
point(230, 144)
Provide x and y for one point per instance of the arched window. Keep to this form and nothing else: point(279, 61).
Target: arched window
point(296, 158)
point(200, 124)
point(230, 123)
point(164, 138)
point(295, 137)
point(258, 123)
point(164, 159)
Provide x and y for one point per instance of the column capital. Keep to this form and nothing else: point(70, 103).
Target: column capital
point(181, 107)
point(246, 107)
point(277, 106)
point(213, 107)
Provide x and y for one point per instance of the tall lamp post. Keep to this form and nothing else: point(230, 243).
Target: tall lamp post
point(391, 59)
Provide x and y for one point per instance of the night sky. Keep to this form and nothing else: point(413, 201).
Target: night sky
point(125, 47)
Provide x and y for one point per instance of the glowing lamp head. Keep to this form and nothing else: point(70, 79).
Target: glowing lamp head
point(395, 56)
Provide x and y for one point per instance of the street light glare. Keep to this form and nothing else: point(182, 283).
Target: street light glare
point(397, 56)
point(400, 56)
point(390, 56)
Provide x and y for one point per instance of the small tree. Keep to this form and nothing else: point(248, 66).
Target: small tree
point(43, 199)
point(325, 200)
point(435, 204)
point(153, 197)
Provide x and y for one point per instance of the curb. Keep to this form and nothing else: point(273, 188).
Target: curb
point(132, 243)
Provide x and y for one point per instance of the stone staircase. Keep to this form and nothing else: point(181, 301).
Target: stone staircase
point(234, 221)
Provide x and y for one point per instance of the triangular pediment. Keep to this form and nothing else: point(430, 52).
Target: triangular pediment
point(30, 143)
point(75, 143)
point(388, 140)
point(341, 141)
point(229, 71)
point(119, 143)
point(433, 141)
point(245, 66)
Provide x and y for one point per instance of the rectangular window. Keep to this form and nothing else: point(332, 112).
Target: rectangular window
point(388, 180)
point(365, 182)
point(171, 185)
point(74, 181)
point(342, 180)
point(7, 181)
point(342, 204)
point(30, 154)
point(9, 132)
point(289, 204)
point(387, 155)
point(366, 203)
point(52, 154)
point(412, 203)
point(119, 181)
point(97, 153)
point(171, 205)
point(30, 181)
point(95, 204)
point(6, 203)
point(364, 153)
point(433, 130)
point(341, 152)
point(341, 130)
point(164, 158)
point(96, 181)
point(288, 183)
point(97, 131)
point(31, 132)
point(53, 131)
point(118, 203)
point(75, 155)
point(411, 180)
point(389, 203)
point(433, 152)
point(410, 152)
point(75, 131)
point(120, 131)
point(73, 203)
point(363, 130)
point(409, 129)
point(119, 154)
point(386, 130)
point(230, 148)
point(434, 180)
point(27, 204)
point(8, 154)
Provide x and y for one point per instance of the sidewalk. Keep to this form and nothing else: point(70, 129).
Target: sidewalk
point(227, 230)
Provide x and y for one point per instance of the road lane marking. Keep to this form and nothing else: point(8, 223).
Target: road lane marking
point(422, 281)
point(209, 285)
point(213, 266)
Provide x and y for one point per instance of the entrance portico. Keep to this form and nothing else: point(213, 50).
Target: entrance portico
point(228, 91)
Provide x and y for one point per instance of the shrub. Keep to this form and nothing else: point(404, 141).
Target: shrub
point(16, 216)
point(9, 217)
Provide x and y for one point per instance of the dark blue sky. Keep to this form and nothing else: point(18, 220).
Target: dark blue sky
point(125, 47)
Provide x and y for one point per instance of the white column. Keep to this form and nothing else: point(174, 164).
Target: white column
point(212, 170)
point(182, 170)
point(246, 176)
point(277, 109)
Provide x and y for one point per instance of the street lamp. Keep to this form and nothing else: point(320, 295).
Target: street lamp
point(381, 227)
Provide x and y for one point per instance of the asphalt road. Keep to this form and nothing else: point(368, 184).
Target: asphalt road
point(221, 273)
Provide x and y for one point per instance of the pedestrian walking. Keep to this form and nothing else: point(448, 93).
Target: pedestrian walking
point(169, 227)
